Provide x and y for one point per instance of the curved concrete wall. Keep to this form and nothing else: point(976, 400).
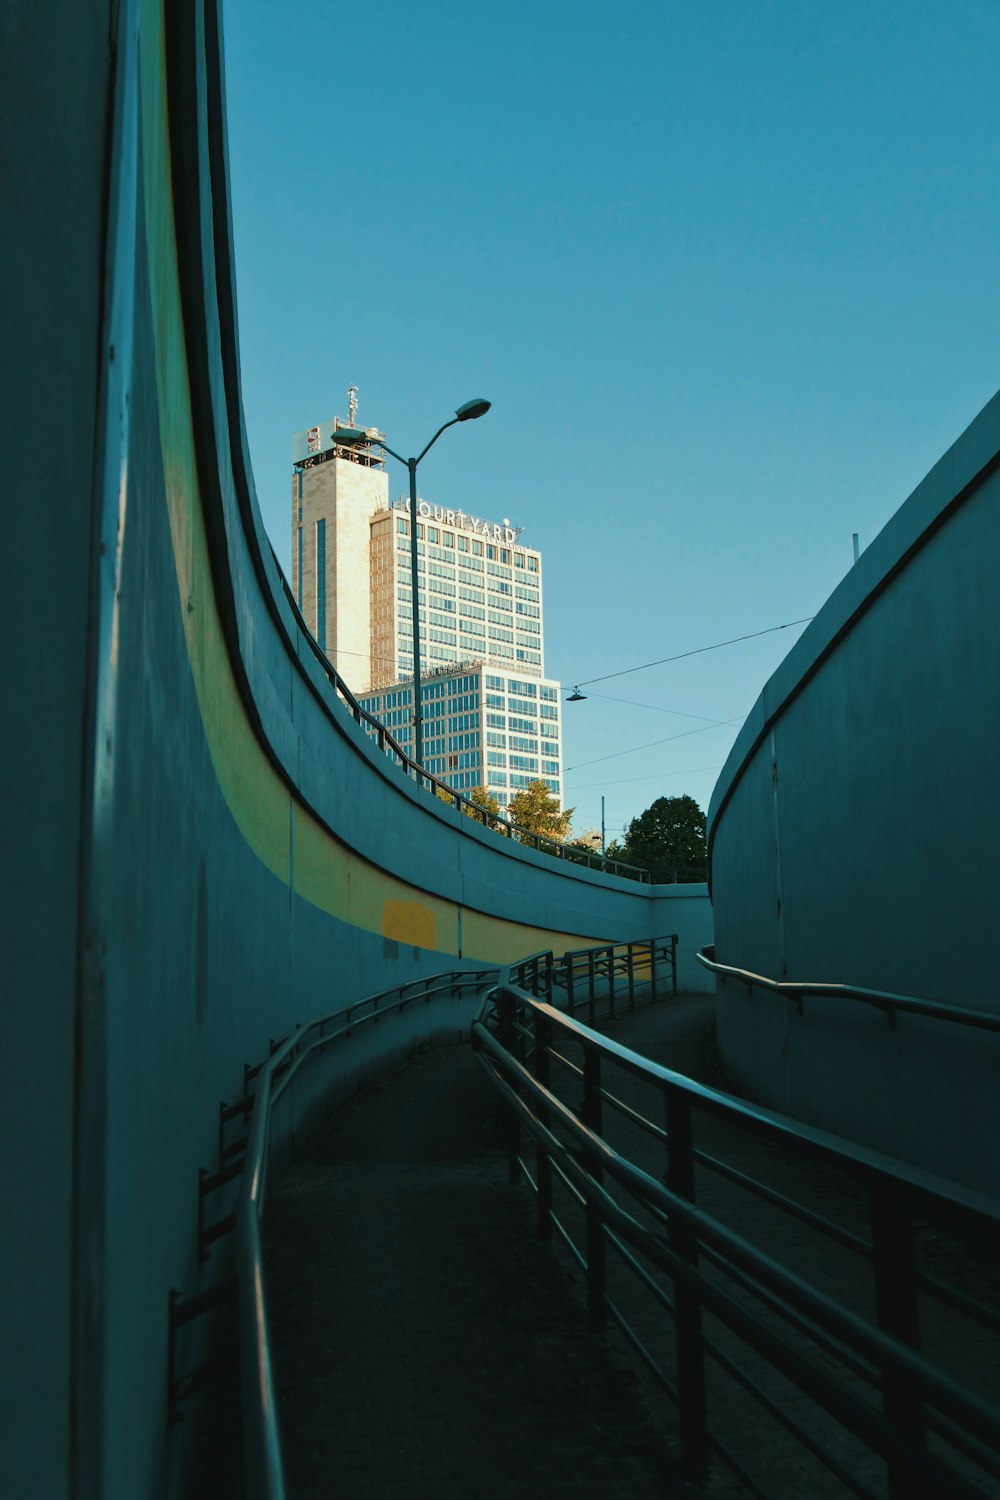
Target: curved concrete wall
point(854, 836)
point(208, 848)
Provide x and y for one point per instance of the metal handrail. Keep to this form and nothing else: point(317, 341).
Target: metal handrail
point(263, 1467)
point(580, 971)
point(572, 1147)
point(389, 746)
point(884, 1000)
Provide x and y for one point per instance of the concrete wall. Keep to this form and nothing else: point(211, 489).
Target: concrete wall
point(202, 847)
point(50, 313)
point(855, 836)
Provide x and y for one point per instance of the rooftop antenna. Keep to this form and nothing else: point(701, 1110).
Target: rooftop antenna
point(352, 406)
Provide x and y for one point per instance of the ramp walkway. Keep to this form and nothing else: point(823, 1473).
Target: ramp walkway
point(425, 1341)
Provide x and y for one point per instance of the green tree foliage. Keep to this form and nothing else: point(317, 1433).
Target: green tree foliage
point(484, 809)
point(536, 810)
point(588, 839)
point(668, 839)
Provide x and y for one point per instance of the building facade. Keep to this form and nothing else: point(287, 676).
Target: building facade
point(491, 717)
point(336, 489)
point(482, 726)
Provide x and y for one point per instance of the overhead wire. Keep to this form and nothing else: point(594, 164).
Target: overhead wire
point(698, 651)
point(657, 708)
point(651, 744)
point(652, 776)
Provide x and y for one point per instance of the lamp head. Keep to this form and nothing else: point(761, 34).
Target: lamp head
point(576, 696)
point(470, 410)
point(349, 435)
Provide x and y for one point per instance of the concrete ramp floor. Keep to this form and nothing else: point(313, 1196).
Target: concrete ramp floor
point(425, 1342)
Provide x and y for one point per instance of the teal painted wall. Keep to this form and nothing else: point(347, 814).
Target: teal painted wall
point(203, 848)
point(50, 313)
point(855, 831)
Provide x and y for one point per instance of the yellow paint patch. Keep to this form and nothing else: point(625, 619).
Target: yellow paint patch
point(491, 941)
point(322, 873)
point(409, 922)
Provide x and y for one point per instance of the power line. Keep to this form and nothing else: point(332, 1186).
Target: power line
point(649, 746)
point(653, 776)
point(698, 651)
point(631, 703)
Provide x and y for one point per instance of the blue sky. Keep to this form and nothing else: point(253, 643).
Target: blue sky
point(727, 272)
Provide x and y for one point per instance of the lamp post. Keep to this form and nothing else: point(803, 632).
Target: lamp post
point(467, 412)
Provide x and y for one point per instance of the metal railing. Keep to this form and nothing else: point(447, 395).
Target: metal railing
point(884, 1000)
point(263, 1469)
point(502, 825)
point(602, 977)
point(841, 1374)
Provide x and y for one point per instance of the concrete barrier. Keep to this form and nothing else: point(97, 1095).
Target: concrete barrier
point(202, 846)
point(854, 836)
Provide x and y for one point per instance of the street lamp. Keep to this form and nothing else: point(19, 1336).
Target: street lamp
point(469, 411)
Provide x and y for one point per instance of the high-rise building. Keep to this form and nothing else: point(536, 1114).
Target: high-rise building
point(337, 489)
point(491, 718)
point(482, 726)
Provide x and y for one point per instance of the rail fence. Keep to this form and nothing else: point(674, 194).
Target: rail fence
point(864, 1340)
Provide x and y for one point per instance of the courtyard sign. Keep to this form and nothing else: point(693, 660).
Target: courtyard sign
point(506, 536)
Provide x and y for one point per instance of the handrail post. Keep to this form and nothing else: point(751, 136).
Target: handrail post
point(543, 1040)
point(590, 981)
point(630, 971)
point(506, 1005)
point(611, 978)
point(673, 961)
point(687, 1304)
point(568, 966)
point(898, 1315)
point(596, 1260)
point(652, 968)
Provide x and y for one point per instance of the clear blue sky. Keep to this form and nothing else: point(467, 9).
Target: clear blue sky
point(727, 272)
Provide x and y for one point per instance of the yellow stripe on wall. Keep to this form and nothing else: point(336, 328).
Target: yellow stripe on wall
point(273, 822)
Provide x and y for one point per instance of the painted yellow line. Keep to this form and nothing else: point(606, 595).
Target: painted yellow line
point(284, 835)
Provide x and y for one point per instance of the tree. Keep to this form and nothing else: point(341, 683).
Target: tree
point(587, 838)
point(668, 839)
point(485, 808)
point(536, 810)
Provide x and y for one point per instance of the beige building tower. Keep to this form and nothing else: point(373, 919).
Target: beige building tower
point(336, 489)
point(491, 717)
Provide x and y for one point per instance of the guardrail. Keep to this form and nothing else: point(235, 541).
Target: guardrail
point(877, 1402)
point(503, 826)
point(883, 1000)
point(588, 977)
point(263, 1469)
